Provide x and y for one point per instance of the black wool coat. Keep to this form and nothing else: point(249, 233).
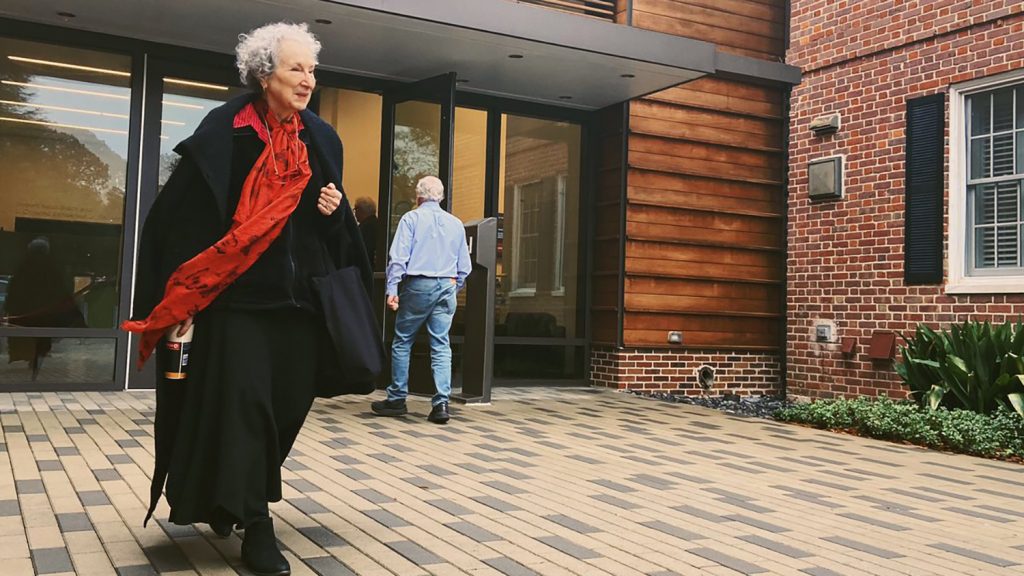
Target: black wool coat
point(194, 210)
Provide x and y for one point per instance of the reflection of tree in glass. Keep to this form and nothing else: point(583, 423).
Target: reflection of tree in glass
point(168, 162)
point(115, 185)
point(14, 93)
point(416, 155)
point(44, 160)
point(416, 152)
point(52, 159)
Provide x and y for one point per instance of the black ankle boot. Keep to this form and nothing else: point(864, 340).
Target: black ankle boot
point(222, 528)
point(260, 552)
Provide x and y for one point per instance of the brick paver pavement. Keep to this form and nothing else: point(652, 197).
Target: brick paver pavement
point(545, 481)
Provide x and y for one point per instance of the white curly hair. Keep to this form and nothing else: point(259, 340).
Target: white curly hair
point(430, 188)
point(256, 53)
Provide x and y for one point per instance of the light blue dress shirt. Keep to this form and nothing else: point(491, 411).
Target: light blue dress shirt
point(429, 242)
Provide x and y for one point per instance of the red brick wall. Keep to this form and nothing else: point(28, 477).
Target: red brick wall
point(676, 371)
point(864, 59)
point(833, 32)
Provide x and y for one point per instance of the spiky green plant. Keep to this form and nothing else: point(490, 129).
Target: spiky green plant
point(973, 366)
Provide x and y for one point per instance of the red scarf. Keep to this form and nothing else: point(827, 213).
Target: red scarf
point(269, 196)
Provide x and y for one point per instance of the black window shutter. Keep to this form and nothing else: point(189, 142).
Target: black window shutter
point(924, 186)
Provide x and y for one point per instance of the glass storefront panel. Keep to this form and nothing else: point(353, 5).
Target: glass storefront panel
point(57, 362)
point(184, 105)
point(467, 197)
point(539, 362)
point(356, 117)
point(64, 128)
point(64, 123)
point(538, 236)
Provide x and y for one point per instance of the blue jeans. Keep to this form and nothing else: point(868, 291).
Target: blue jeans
point(431, 301)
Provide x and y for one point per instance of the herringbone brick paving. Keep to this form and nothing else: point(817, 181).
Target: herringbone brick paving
point(544, 481)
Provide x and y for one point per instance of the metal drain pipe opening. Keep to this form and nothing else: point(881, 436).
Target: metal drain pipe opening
point(706, 377)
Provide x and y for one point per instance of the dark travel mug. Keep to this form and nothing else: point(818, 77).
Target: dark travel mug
point(175, 352)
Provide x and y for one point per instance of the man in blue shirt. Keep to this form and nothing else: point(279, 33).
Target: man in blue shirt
point(430, 258)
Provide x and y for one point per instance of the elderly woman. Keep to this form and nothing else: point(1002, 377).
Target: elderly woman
point(249, 217)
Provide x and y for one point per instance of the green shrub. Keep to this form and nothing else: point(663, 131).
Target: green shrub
point(996, 435)
point(973, 366)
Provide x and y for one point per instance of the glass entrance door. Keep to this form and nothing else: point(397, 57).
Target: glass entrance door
point(524, 170)
point(417, 129)
point(177, 99)
point(416, 137)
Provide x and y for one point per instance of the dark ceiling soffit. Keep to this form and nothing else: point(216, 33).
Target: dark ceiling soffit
point(551, 27)
point(756, 69)
point(543, 25)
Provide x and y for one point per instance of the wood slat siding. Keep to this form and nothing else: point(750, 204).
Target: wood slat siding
point(703, 340)
point(748, 27)
point(707, 324)
point(622, 12)
point(697, 158)
point(606, 287)
point(705, 249)
point(699, 192)
point(702, 227)
point(652, 259)
point(709, 126)
point(603, 9)
point(724, 96)
point(705, 206)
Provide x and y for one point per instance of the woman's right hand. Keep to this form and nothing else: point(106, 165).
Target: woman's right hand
point(184, 326)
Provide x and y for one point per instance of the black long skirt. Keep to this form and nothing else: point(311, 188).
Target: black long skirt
point(249, 389)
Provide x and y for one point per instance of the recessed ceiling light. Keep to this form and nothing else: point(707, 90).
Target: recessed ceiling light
point(628, 75)
point(565, 97)
point(65, 14)
point(515, 56)
point(181, 82)
point(66, 65)
point(323, 21)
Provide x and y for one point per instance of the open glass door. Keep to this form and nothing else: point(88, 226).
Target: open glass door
point(416, 141)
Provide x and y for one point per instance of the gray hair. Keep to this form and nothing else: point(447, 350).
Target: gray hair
point(366, 204)
point(430, 188)
point(39, 245)
point(256, 53)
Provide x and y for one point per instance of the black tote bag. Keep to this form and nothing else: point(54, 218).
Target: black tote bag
point(353, 356)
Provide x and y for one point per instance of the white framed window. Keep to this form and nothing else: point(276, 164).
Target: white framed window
point(526, 215)
point(986, 185)
point(558, 270)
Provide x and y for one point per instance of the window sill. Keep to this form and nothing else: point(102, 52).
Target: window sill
point(981, 285)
